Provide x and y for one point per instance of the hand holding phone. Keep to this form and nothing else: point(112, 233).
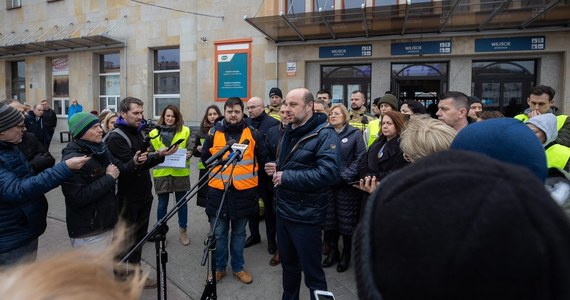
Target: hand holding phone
point(174, 144)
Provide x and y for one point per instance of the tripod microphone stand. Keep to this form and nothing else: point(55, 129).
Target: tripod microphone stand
point(160, 229)
point(210, 291)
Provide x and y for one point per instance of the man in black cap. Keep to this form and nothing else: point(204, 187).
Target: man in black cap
point(275, 99)
point(502, 238)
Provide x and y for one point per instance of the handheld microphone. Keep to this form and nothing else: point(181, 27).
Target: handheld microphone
point(237, 154)
point(220, 153)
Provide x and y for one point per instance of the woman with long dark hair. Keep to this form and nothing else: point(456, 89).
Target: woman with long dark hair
point(210, 117)
point(169, 180)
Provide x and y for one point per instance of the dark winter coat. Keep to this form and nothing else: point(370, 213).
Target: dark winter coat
point(135, 183)
point(50, 120)
point(37, 128)
point(23, 206)
point(391, 159)
point(344, 200)
point(91, 206)
point(35, 153)
point(309, 157)
point(238, 203)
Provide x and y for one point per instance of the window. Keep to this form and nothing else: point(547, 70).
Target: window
point(166, 79)
point(109, 81)
point(324, 4)
point(353, 3)
point(18, 69)
point(13, 4)
point(296, 6)
point(60, 90)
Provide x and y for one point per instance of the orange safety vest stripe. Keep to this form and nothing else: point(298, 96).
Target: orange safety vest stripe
point(245, 173)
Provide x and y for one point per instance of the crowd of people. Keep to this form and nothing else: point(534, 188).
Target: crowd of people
point(394, 190)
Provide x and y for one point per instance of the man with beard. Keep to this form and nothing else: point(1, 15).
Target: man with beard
point(359, 117)
point(241, 200)
point(127, 145)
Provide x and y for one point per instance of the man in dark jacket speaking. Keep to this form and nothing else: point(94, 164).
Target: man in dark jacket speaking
point(307, 165)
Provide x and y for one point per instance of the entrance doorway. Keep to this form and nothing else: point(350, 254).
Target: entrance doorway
point(342, 80)
point(504, 85)
point(423, 82)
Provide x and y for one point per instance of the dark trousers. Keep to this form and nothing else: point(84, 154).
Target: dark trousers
point(300, 250)
point(136, 214)
point(269, 219)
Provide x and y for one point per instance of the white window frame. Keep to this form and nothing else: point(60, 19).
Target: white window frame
point(107, 96)
point(156, 114)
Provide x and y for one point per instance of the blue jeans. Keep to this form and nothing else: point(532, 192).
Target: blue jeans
point(163, 208)
point(24, 253)
point(237, 243)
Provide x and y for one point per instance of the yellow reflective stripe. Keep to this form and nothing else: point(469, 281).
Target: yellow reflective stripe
point(560, 120)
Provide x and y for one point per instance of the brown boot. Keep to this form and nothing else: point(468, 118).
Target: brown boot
point(184, 237)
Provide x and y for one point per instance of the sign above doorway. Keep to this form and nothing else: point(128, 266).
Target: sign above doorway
point(415, 48)
point(345, 51)
point(521, 43)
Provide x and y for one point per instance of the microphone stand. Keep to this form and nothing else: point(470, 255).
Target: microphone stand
point(160, 229)
point(210, 292)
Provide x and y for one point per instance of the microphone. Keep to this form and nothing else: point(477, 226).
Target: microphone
point(220, 153)
point(237, 154)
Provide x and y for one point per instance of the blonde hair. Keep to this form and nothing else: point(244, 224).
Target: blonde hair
point(75, 274)
point(343, 111)
point(425, 136)
point(106, 120)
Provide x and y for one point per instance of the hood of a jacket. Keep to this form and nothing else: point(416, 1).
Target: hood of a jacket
point(546, 123)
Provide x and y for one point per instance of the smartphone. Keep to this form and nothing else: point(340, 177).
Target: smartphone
point(176, 143)
point(323, 295)
point(357, 182)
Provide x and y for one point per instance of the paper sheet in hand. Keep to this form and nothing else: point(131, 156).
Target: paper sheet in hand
point(176, 160)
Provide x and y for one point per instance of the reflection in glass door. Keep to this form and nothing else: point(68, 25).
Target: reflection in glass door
point(502, 95)
point(341, 81)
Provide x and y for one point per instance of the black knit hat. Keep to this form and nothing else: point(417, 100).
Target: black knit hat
point(9, 117)
point(461, 225)
point(275, 92)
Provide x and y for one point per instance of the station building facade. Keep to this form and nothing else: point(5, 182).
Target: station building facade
point(195, 53)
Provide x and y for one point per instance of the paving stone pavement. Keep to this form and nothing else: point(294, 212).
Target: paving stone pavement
point(186, 277)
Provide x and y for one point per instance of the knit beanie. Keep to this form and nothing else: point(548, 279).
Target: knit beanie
point(507, 140)
point(547, 123)
point(275, 92)
point(474, 99)
point(461, 225)
point(80, 123)
point(390, 100)
point(9, 117)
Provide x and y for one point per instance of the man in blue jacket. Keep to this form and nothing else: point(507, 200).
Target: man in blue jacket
point(307, 166)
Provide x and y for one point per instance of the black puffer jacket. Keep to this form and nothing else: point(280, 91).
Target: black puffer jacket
point(23, 206)
point(91, 206)
point(309, 157)
point(380, 165)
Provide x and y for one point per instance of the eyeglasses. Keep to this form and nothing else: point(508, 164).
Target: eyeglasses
point(252, 107)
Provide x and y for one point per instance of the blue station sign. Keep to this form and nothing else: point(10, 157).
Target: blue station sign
point(415, 48)
point(345, 51)
point(523, 43)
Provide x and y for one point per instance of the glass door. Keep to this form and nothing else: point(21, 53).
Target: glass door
point(341, 81)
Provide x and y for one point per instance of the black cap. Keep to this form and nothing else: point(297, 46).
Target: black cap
point(275, 92)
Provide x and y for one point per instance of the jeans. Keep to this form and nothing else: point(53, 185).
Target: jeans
point(24, 253)
point(96, 243)
point(237, 242)
point(163, 208)
point(300, 249)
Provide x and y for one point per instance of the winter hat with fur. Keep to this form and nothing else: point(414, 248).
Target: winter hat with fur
point(461, 225)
